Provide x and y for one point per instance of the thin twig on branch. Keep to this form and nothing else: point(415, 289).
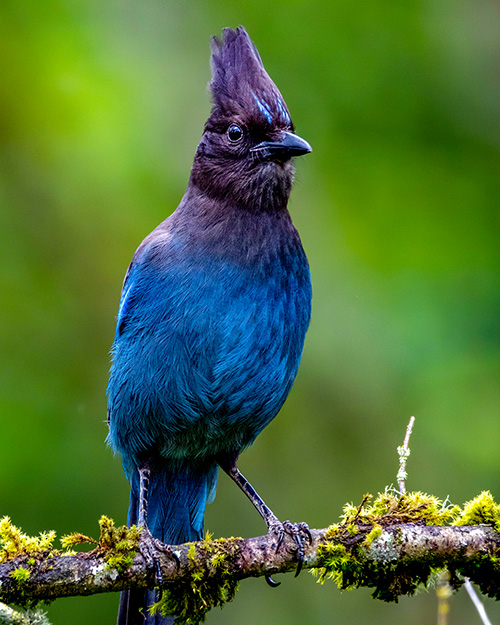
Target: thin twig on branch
point(404, 453)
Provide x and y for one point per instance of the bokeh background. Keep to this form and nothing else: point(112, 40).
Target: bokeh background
point(102, 103)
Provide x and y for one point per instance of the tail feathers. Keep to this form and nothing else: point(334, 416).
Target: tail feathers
point(175, 514)
point(176, 502)
point(134, 609)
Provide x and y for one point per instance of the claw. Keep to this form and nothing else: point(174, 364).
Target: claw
point(149, 547)
point(163, 547)
point(281, 535)
point(306, 529)
point(158, 573)
point(300, 562)
point(175, 557)
point(149, 551)
point(300, 533)
point(300, 548)
point(270, 581)
point(300, 559)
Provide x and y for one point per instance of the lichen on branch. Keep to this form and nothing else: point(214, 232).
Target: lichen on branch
point(383, 545)
point(392, 544)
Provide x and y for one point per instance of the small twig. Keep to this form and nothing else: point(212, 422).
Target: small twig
point(403, 453)
point(477, 602)
point(360, 507)
point(443, 593)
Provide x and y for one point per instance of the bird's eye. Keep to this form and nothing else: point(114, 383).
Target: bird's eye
point(234, 133)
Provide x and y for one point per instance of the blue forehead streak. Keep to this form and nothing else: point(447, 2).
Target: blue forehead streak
point(123, 303)
point(264, 109)
point(282, 108)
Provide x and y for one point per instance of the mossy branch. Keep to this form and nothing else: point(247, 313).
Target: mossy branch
point(9, 616)
point(391, 545)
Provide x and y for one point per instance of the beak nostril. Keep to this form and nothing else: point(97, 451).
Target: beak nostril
point(289, 146)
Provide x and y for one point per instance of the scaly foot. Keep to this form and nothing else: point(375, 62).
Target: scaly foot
point(300, 534)
point(150, 548)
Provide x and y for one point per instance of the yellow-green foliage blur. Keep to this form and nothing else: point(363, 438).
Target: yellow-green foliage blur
point(101, 107)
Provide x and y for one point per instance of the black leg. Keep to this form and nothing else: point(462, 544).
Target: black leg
point(148, 544)
point(266, 513)
point(299, 531)
point(144, 474)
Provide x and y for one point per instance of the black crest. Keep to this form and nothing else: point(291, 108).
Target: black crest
point(240, 84)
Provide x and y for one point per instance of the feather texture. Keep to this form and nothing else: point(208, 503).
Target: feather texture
point(214, 310)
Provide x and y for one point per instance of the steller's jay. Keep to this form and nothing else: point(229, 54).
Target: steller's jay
point(213, 313)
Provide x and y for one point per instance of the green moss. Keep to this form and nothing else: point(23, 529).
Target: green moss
point(333, 557)
point(118, 544)
point(13, 543)
point(32, 616)
point(211, 583)
point(343, 557)
point(352, 528)
point(350, 568)
point(20, 575)
point(391, 507)
point(76, 538)
point(333, 531)
point(346, 555)
point(373, 534)
point(484, 570)
point(480, 510)
point(192, 553)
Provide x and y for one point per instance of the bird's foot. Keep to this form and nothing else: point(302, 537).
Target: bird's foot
point(299, 532)
point(150, 549)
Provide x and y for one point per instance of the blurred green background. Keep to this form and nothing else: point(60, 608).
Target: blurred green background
point(101, 107)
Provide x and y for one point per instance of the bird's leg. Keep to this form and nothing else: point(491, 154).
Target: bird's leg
point(265, 512)
point(299, 531)
point(148, 544)
point(144, 476)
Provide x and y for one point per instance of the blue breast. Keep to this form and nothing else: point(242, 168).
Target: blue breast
point(209, 338)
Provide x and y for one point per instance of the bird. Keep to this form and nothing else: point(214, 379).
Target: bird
point(212, 318)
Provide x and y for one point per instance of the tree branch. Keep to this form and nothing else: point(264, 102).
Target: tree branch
point(392, 544)
point(399, 547)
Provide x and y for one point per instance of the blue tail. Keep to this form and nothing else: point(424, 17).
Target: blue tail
point(176, 509)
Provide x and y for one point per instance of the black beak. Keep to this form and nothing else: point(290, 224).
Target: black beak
point(289, 145)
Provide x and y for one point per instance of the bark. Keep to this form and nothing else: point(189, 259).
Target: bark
point(456, 548)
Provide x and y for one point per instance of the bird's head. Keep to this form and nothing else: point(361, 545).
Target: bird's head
point(248, 142)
